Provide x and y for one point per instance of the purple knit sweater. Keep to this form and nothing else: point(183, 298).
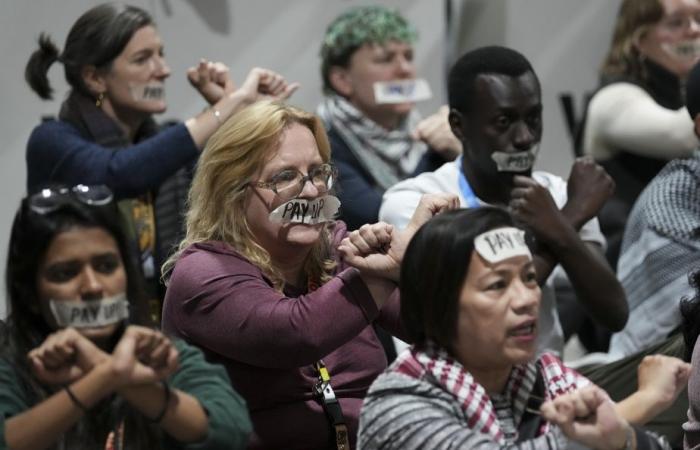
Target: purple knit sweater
point(268, 340)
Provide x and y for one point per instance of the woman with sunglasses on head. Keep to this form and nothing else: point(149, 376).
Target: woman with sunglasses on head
point(76, 369)
point(472, 380)
point(114, 62)
point(259, 284)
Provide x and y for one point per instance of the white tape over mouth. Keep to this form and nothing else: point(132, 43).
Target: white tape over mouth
point(502, 243)
point(683, 50)
point(147, 92)
point(402, 91)
point(90, 313)
point(299, 210)
point(515, 162)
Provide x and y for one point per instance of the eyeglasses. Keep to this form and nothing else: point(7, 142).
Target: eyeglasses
point(680, 22)
point(290, 182)
point(50, 199)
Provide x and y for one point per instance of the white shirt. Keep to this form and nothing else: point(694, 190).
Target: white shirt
point(623, 116)
point(401, 200)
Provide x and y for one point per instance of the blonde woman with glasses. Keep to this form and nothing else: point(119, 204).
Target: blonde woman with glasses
point(263, 281)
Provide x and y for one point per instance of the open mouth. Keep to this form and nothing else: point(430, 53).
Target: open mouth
point(524, 330)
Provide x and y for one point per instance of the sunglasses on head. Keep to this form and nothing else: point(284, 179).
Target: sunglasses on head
point(52, 198)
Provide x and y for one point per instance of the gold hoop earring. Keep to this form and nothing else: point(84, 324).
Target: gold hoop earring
point(100, 99)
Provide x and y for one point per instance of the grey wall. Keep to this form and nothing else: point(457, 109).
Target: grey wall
point(565, 40)
point(282, 35)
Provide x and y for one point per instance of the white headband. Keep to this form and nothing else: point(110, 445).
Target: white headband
point(502, 243)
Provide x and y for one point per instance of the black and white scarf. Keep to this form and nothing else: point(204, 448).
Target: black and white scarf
point(388, 156)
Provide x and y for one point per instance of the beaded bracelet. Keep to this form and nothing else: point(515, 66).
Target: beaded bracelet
point(74, 399)
point(162, 412)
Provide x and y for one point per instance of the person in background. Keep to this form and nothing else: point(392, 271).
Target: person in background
point(690, 312)
point(375, 144)
point(473, 379)
point(636, 122)
point(661, 245)
point(77, 368)
point(496, 111)
point(114, 62)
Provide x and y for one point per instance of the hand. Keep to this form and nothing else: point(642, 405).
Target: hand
point(533, 205)
point(588, 416)
point(211, 79)
point(366, 250)
point(588, 188)
point(143, 356)
point(662, 378)
point(429, 206)
point(436, 132)
point(64, 357)
point(263, 84)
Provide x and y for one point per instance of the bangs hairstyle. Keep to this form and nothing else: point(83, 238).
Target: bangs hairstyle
point(435, 267)
point(233, 156)
point(356, 27)
point(485, 60)
point(634, 18)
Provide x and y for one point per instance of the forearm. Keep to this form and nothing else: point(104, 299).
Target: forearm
point(43, 424)
point(203, 125)
point(639, 408)
point(380, 289)
point(626, 117)
point(184, 418)
point(595, 284)
point(544, 265)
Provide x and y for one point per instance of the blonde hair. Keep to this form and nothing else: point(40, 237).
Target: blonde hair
point(233, 155)
point(634, 18)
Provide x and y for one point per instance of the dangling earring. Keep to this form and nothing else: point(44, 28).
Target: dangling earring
point(100, 98)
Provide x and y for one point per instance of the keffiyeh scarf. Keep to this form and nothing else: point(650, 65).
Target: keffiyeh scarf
point(434, 363)
point(388, 156)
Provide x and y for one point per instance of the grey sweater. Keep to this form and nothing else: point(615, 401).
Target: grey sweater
point(401, 412)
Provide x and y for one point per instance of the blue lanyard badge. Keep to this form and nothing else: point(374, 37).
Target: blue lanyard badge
point(467, 193)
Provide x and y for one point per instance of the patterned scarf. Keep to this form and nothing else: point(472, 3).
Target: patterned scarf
point(434, 363)
point(154, 221)
point(670, 207)
point(388, 156)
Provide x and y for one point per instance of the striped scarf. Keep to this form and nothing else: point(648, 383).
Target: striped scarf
point(388, 155)
point(434, 363)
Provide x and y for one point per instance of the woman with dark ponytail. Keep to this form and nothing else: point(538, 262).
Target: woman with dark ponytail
point(113, 61)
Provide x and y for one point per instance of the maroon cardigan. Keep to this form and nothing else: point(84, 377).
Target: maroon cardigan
point(268, 340)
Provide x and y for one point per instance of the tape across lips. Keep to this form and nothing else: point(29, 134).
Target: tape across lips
point(300, 210)
point(90, 313)
point(147, 91)
point(401, 91)
point(689, 49)
point(515, 161)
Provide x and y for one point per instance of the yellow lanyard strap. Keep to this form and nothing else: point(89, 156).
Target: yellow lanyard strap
point(331, 406)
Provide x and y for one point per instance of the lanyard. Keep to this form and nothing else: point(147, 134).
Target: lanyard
point(331, 406)
point(467, 192)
